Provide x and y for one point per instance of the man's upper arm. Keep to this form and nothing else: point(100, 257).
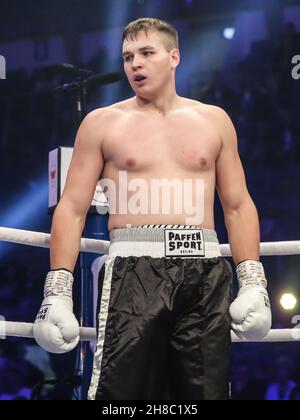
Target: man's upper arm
point(86, 165)
point(231, 183)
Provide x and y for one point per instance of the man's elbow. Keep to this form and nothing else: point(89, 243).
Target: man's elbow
point(239, 208)
point(67, 210)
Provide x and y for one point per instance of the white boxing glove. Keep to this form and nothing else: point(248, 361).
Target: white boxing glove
point(56, 329)
point(251, 311)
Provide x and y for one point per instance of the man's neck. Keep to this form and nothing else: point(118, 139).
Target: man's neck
point(159, 105)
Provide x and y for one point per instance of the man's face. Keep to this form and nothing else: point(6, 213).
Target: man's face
point(147, 56)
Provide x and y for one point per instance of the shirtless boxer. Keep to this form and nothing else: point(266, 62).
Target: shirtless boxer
point(164, 323)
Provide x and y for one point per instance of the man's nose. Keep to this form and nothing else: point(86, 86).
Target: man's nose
point(137, 62)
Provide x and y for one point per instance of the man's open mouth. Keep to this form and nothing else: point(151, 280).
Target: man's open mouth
point(139, 78)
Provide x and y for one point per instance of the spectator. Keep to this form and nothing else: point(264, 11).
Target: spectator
point(244, 386)
point(283, 386)
point(295, 395)
point(14, 384)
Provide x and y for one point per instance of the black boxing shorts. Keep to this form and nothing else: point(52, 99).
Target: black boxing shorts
point(163, 324)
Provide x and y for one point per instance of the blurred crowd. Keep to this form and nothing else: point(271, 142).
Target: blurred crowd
point(279, 380)
point(263, 100)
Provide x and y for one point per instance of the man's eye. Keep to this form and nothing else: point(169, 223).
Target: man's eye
point(145, 53)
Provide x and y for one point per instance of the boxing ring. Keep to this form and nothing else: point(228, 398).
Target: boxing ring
point(38, 239)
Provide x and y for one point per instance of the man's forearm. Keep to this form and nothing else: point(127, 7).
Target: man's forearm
point(66, 233)
point(243, 232)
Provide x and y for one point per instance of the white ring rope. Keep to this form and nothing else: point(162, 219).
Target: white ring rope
point(96, 246)
point(24, 330)
point(42, 240)
point(268, 249)
point(38, 239)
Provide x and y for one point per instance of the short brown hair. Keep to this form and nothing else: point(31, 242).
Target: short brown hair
point(156, 25)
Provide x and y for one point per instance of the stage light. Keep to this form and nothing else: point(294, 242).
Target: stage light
point(26, 210)
point(288, 301)
point(229, 33)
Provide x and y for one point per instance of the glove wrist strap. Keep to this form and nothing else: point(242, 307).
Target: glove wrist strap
point(59, 283)
point(251, 273)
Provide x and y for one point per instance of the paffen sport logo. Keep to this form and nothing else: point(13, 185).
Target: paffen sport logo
point(2, 67)
point(184, 243)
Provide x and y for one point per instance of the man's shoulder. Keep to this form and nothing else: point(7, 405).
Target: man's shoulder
point(216, 117)
point(103, 112)
point(207, 109)
point(203, 109)
point(123, 106)
point(112, 111)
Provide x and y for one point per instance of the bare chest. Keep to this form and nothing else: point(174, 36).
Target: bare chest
point(145, 144)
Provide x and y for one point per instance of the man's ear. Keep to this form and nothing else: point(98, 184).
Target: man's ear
point(175, 57)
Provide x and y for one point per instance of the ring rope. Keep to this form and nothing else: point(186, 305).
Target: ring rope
point(97, 246)
point(42, 240)
point(39, 239)
point(25, 330)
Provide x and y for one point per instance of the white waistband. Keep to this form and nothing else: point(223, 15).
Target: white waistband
point(154, 242)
